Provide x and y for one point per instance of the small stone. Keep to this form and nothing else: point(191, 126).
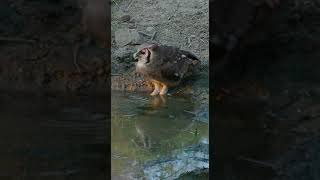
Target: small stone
point(125, 18)
point(122, 55)
point(150, 29)
point(183, 56)
point(194, 62)
point(127, 36)
point(132, 26)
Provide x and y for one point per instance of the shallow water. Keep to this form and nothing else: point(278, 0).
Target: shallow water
point(47, 137)
point(66, 137)
point(156, 137)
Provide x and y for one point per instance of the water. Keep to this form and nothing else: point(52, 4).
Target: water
point(66, 137)
point(48, 137)
point(156, 137)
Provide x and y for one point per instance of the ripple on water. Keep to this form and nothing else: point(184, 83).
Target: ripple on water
point(149, 129)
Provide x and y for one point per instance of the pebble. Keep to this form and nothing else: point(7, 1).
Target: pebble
point(125, 18)
point(150, 29)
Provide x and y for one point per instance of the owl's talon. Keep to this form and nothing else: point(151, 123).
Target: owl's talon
point(164, 90)
point(155, 92)
point(156, 89)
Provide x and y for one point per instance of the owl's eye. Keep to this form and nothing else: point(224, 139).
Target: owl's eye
point(143, 52)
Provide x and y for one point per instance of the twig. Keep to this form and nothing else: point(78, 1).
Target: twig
point(189, 40)
point(153, 36)
point(144, 34)
point(190, 112)
point(174, 13)
point(129, 5)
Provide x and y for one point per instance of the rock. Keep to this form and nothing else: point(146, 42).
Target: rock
point(132, 26)
point(122, 60)
point(125, 18)
point(193, 159)
point(124, 37)
point(123, 55)
point(150, 29)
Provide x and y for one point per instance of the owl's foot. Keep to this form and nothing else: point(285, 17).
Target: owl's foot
point(156, 90)
point(164, 90)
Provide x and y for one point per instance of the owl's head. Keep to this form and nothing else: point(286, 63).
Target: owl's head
point(145, 53)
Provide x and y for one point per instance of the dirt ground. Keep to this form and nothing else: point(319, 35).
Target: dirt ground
point(182, 23)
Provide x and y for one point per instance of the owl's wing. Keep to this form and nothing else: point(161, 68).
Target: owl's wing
point(176, 70)
point(177, 63)
point(189, 55)
point(169, 71)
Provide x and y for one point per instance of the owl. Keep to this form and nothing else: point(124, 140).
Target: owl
point(164, 66)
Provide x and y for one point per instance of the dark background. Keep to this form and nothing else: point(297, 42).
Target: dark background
point(48, 96)
point(264, 101)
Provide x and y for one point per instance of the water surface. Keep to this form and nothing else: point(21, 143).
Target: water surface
point(157, 137)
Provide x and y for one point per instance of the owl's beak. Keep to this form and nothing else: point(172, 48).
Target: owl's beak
point(135, 56)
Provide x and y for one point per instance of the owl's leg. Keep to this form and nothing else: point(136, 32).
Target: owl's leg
point(164, 89)
point(164, 99)
point(156, 89)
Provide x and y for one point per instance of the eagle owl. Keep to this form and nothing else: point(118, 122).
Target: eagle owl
point(164, 66)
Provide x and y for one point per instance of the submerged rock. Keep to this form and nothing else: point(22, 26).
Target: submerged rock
point(192, 159)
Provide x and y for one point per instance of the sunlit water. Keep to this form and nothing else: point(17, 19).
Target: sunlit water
point(46, 137)
point(156, 137)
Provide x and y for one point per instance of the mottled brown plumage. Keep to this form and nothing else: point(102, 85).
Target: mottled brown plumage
point(164, 66)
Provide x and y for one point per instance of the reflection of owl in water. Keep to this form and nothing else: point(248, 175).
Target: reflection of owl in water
point(164, 66)
point(165, 119)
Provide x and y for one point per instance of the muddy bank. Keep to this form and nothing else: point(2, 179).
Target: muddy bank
point(183, 24)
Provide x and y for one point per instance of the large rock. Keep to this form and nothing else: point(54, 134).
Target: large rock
point(127, 36)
